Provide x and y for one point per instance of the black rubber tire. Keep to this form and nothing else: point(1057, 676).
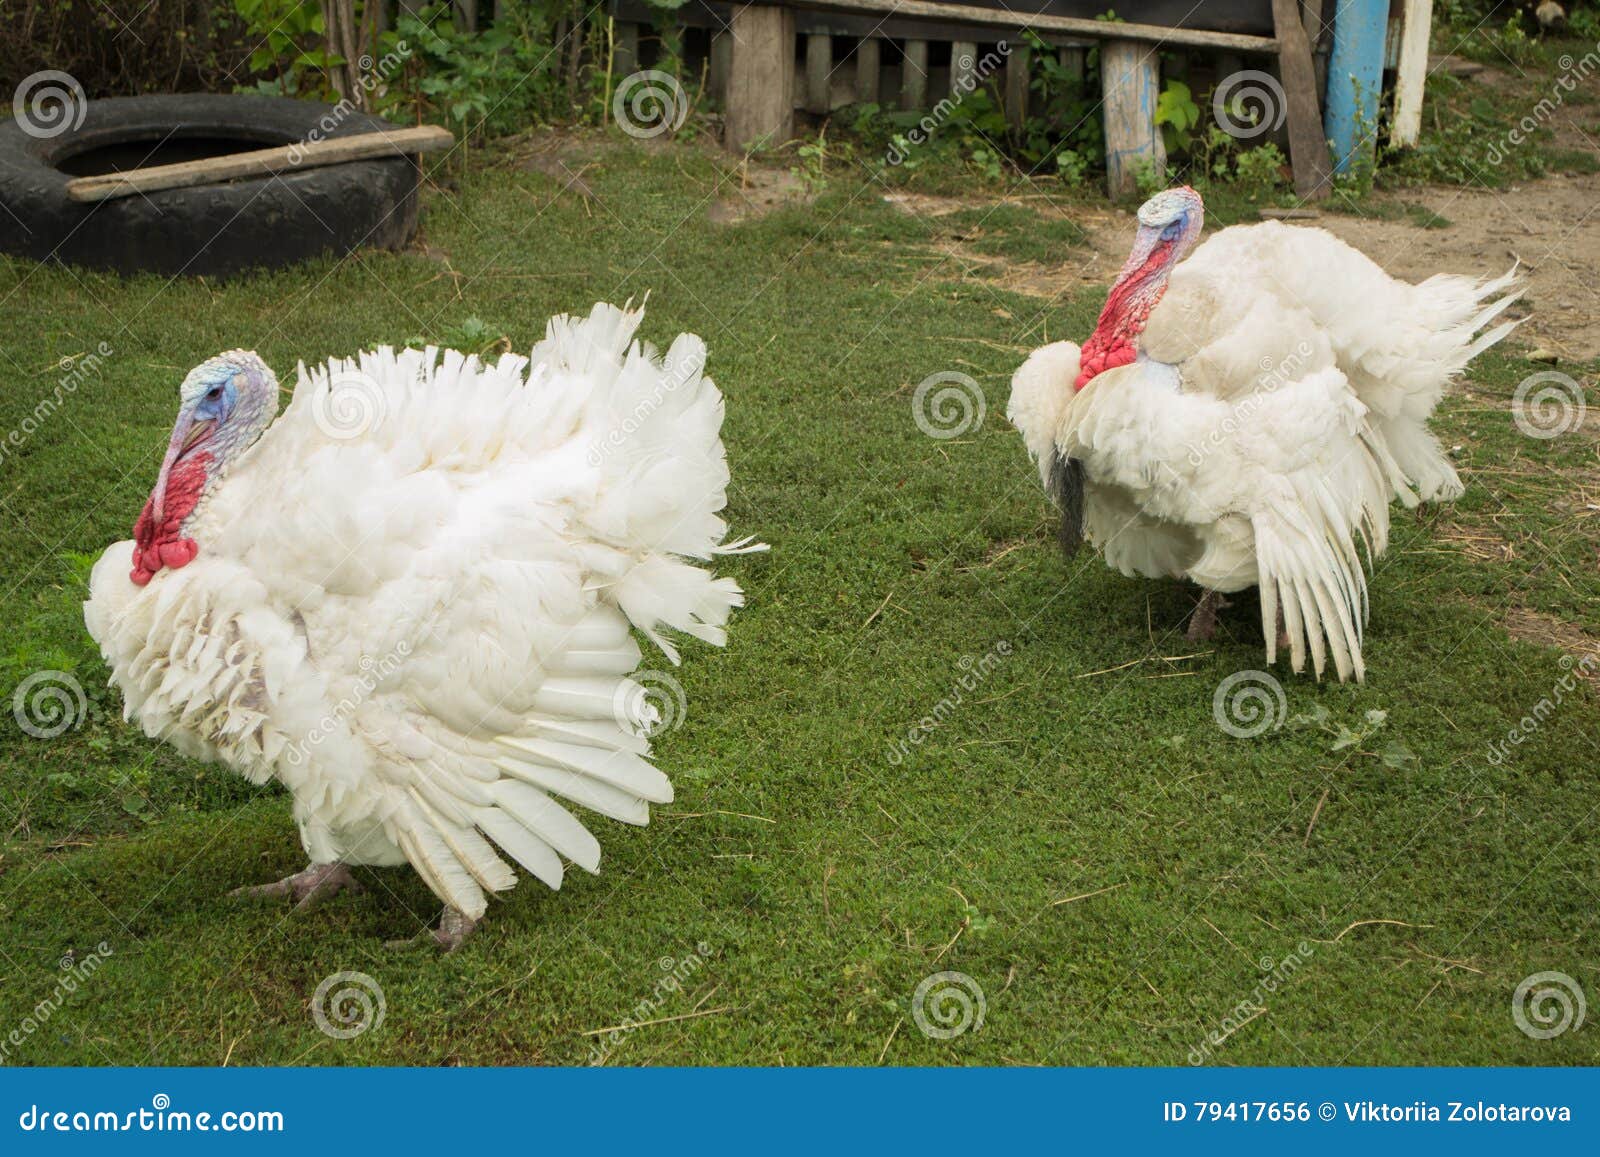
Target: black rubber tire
point(208, 230)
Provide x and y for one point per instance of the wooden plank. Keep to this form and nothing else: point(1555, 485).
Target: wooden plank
point(466, 15)
point(1040, 22)
point(1355, 82)
point(625, 50)
point(1130, 79)
point(1072, 61)
point(719, 68)
point(963, 67)
point(868, 69)
point(1017, 88)
point(819, 71)
point(1409, 82)
point(761, 82)
point(262, 162)
point(1308, 150)
point(914, 75)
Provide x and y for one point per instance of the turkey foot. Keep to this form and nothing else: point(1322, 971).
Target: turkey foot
point(454, 928)
point(1203, 623)
point(308, 888)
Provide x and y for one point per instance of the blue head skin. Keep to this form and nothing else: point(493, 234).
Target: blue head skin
point(223, 406)
point(1173, 217)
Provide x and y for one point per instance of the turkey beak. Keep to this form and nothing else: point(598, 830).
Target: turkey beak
point(184, 436)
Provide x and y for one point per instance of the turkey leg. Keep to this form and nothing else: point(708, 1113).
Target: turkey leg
point(1203, 623)
point(454, 928)
point(308, 888)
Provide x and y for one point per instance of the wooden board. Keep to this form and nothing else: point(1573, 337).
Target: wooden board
point(914, 75)
point(868, 64)
point(761, 80)
point(1130, 79)
point(1412, 74)
point(819, 71)
point(262, 163)
point(1002, 18)
point(1308, 150)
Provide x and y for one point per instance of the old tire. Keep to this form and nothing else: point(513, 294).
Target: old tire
point(209, 230)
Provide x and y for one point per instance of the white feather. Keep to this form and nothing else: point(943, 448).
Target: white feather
point(1279, 402)
point(420, 621)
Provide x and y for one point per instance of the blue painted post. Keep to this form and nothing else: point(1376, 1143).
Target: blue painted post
point(1355, 82)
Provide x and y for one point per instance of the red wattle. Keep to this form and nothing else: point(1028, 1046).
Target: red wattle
point(1112, 343)
point(157, 546)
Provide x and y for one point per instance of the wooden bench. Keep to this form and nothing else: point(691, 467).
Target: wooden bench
point(764, 84)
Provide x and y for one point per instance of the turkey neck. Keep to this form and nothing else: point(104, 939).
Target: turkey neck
point(1137, 291)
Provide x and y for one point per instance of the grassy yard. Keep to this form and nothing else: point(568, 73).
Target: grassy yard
point(1123, 880)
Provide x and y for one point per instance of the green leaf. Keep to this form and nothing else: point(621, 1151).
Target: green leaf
point(1397, 755)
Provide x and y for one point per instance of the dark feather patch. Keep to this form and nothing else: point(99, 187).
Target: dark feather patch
point(1066, 488)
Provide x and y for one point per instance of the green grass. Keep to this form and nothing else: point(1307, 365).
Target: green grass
point(825, 878)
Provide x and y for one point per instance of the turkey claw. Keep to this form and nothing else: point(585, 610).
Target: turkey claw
point(454, 928)
point(308, 888)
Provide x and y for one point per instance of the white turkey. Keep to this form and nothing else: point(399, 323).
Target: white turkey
point(1244, 418)
point(412, 598)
